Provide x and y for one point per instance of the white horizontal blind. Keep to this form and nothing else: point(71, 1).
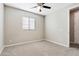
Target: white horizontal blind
point(25, 23)
point(32, 23)
point(28, 23)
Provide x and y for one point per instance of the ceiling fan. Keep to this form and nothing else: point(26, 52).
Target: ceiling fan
point(41, 5)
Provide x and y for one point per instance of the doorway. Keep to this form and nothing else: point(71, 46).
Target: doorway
point(74, 27)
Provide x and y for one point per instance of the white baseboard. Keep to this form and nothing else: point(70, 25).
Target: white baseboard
point(57, 43)
point(1, 49)
point(31, 42)
point(23, 43)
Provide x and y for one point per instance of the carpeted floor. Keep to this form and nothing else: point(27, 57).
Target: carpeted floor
point(42, 48)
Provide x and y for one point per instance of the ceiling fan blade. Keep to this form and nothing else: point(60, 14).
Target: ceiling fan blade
point(46, 7)
point(35, 7)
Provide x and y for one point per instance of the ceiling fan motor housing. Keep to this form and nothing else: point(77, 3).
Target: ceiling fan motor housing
point(40, 4)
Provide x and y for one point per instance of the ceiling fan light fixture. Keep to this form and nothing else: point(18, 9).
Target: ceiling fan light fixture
point(39, 8)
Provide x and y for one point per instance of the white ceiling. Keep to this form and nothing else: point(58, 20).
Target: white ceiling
point(28, 7)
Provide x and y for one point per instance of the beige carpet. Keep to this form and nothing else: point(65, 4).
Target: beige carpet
point(42, 48)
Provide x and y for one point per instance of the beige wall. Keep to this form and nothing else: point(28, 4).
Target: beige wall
point(13, 26)
point(1, 26)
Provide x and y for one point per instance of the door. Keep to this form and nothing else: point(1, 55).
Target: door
point(74, 27)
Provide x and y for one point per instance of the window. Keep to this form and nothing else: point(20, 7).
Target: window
point(28, 23)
